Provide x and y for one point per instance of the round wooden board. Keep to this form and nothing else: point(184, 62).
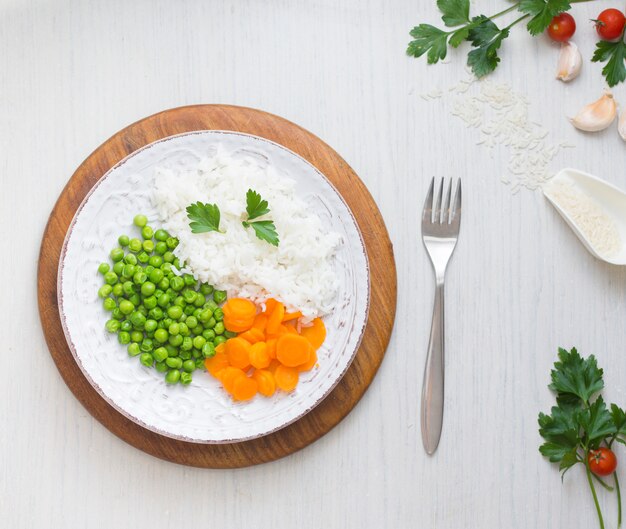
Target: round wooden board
point(382, 278)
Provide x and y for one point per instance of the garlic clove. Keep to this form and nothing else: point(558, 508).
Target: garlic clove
point(570, 61)
point(621, 124)
point(597, 115)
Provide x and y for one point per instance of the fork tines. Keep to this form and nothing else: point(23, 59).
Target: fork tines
point(440, 210)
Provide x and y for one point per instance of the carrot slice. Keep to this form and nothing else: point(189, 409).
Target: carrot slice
point(286, 377)
point(270, 305)
point(292, 350)
point(292, 316)
point(273, 365)
point(229, 375)
point(291, 329)
point(234, 325)
point(238, 352)
point(271, 347)
point(252, 335)
point(307, 366)
point(260, 322)
point(275, 318)
point(316, 334)
point(244, 388)
point(239, 309)
point(216, 363)
point(258, 355)
point(265, 381)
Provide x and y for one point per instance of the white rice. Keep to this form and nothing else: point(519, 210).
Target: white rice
point(299, 272)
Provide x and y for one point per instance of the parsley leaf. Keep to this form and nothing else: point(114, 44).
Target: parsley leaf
point(597, 422)
point(542, 12)
point(455, 12)
point(430, 40)
point(204, 217)
point(576, 376)
point(255, 205)
point(264, 230)
point(619, 419)
point(560, 430)
point(486, 37)
point(614, 54)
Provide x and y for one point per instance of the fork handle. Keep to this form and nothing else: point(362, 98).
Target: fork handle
point(432, 388)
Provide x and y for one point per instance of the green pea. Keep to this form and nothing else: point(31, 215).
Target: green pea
point(148, 288)
point(160, 248)
point(123, 337)
point(208, 335)
point(174, 312)
point(191, 322)
point(172, 377)
point(156, 275)
point(150, 325)
point(168, 256)
point(135, 245)
point(148, 247)
point(117, 314)
point(118, 267)
point(175, 339)
point(211, 305)
point(160, 354)
point(211, 323)
point(206, 289)
point(174, 362)
point(219, 328)
point(189, 295)
point(156, 313)
point(195, 354)
point(171, 293)
point(161, 336)
point(189, 310)
point(118, 290)
point(134, 299)
point(177, 283)
point(126, 306)
point(133, 349)
point(187, 344)
point(110, 278)
point(143, 310)
point(112, 325)
point(171, 350)
point(184, 330)
point(123, 240)
point(174, 329)
point(218, 340)
point(147, 345)
point(200, 363)
point(143, 257)
point(204, 315)
point(146, 359)
point(208, 350)
point(198, 342)
point(219, 296)
point(105, 290)
point(172, 242)
point(189, 280)
point(136, 336)
point(138, 319)
point(140, 278)
point(116, 255)
point(185, 355)
point(126, 326)
point(128, 271)
point(104, 268)
point(167, 321)
point(150, 302)
point(189, 366)
point(130, 258)
point(161, 367)
point(128, 288)
point(156, 261)
point(218, 314)
point(163, 301)
point(147, 232)
point(161, 235)
point(109, 304)
point(140, 221)
point(164, 284)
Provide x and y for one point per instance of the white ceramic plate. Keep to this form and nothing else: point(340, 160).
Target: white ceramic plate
point(201, 412)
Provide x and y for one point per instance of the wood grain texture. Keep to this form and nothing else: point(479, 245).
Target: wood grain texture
point(382, 280)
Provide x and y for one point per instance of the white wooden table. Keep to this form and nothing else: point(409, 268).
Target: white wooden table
point(74, 72)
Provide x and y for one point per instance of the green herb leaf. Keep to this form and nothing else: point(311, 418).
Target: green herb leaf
point(204, 217)
point(429, 40)
point(574, 375)
point(486, 37)
point(264, 230)
point(455, 12)
point(560, 430)
point(542, 12)
point(597, 422)
point(568, 461)
point(614, 54)
point(619, 419)
point(255, 205)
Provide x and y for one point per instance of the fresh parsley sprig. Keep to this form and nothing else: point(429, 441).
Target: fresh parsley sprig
point(204, 217)
point(580, 424)
point(257, 207)
point(485, 37)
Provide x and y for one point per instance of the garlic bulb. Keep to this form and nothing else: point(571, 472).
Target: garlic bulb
point(597, 115)
point(621, 125)
point(570, 61)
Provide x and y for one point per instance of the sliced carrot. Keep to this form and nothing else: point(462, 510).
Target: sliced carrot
point(258, 355)
point(289, 316)
point(217, 363)
point(260, 322)
point(291, 329)
point(270, 305)
point(265, 381)
point(316, 334)
point(252, 335)
point(271, 347)
point(282, 329)
point(234, 325)
point(221, 348)
point(273, 365)
point(229, 375)
point(292, 350)
point(239, 309)
point(238, 352)
point(275, 318)
point(307, 366)
point(286, 377)
point(244, 388)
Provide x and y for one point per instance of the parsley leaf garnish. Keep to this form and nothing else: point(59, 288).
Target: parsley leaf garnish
point(430, 40)
point(614, 54)
point(455, 12)
point(257, 207)
point(576, 376)
point(542, 12)
point(204, 217)
point(486, 37)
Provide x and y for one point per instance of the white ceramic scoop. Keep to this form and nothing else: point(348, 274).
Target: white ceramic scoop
point(594, 209)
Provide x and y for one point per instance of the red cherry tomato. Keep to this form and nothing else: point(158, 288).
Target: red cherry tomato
point(602, 462)
point(562, 27)
point(610, 24)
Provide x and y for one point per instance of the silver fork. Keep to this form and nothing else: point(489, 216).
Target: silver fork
point(440, 230)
